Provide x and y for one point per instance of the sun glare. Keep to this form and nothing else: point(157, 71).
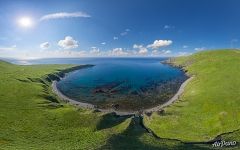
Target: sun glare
point(25, 22)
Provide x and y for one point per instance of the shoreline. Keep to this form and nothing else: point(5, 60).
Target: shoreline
point(120, 113)
point(171, 100)
point(87, 105)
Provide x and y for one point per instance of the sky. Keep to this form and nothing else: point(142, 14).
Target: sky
point(116, 28)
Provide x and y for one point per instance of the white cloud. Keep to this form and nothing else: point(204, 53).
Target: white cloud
point(12, 52)
point(62, 53)
point(95, 50)
point(232, 43)
point(234, 40)
point(45, 45)
point(166, 51)
point(123, 33)
point(160, 43)
point(115, 38)
point(103, 43)
point(183, 53)
point(137, 46)
point(67, 53)
point(62, 15)
point(29, 54)
point(168, 27)
point(68, 43)
point(118, 52)
point(162, 52)
point(185, 46)
point(10, 48)
point(142, 50)
point(199, 48)
point(155, 52)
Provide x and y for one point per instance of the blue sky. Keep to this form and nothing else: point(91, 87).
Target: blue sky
point(70, 28)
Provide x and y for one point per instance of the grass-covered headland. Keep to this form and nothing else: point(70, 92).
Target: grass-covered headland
point(210, 104)
point(32, 117)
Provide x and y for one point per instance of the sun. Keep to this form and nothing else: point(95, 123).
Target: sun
point(25, 22)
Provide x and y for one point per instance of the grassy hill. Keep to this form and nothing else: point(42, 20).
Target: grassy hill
point(32, 117)
point(210, 105)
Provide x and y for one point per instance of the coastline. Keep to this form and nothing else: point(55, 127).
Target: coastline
point(69, 100)
point(120, 113)
point(172, 100)
point(87, 105)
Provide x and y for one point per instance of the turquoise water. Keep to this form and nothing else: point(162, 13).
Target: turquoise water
point(122, 83)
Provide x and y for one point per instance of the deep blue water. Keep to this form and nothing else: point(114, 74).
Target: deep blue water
point(127, 83)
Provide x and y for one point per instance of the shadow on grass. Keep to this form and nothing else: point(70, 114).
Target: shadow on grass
point(110, 120)
point(46, 94)
point(23, 80)
point(135, 137)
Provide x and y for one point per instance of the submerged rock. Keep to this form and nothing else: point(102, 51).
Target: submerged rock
point(160, 112)
point(115, 106)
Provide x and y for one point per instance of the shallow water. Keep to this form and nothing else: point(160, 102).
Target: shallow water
point(122, 83)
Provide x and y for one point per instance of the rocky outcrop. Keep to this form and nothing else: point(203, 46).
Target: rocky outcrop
point(61, 73)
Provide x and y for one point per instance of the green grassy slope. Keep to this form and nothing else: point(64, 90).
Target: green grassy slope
point(31, 118)
point(210, 104)
point(29, 121)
